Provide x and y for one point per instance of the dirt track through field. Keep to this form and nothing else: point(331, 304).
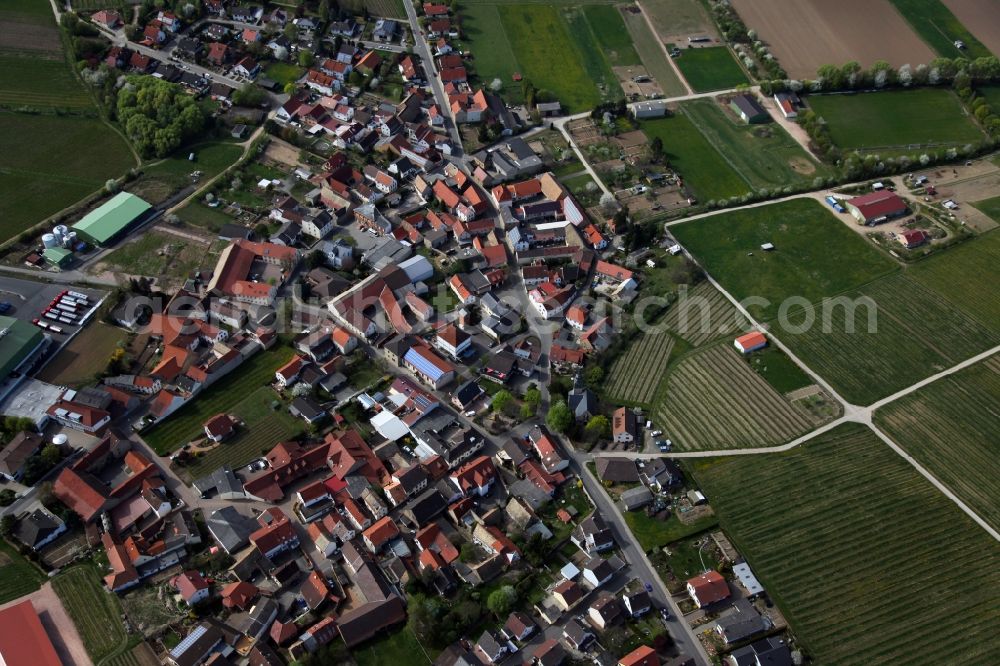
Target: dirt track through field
point(806, 34)
point(981, 18)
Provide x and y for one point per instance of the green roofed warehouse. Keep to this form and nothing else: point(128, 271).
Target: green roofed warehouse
point(20, 345)
point(110, 221)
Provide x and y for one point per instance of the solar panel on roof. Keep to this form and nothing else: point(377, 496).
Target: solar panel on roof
point(188, 641)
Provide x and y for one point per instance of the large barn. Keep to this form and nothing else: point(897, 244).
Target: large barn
point(877, 207)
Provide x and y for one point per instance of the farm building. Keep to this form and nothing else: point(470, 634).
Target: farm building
point(788, 104)
point(749, 109)
point(654, 109)
point(750, 342)
point(876, 207)
point(113, 219)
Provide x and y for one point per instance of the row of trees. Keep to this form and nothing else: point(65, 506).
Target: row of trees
point(881, 75)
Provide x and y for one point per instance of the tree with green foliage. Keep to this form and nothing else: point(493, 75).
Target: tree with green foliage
point(468, 552)
point(7, 525)
point(158, 116)
point(501, 401)
point(7, 497)
point(51, 455)
point(598, 427)
point(559, 418)
point(306, 58)
point(250, 95)
point(501, 601)
point(593, 377)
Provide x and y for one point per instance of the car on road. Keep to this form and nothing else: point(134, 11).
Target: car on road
point(649, 588)
point(656, 433)
point(5, 307)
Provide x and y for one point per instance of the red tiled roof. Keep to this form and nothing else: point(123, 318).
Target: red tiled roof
point(709, 587)
point(381, 532)
point(239, 595)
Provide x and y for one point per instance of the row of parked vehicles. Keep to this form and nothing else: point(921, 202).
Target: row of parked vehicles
point(69, 307)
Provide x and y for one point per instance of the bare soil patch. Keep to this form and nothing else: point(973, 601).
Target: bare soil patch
point(645, 87)
point(801, 165)
point(279, 151)
point(806, 34)
point(981, 18)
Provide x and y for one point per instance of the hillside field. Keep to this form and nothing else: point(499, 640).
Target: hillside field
point(895, 119)
point(950, 427)
point(815, 255)
point(866, 559)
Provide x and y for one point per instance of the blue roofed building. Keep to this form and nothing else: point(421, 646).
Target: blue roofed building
point(425, 363)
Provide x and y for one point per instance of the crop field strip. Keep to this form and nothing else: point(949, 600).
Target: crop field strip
point(18, 576)
point(636, 373)
point(866, 559)
point(714, 400)
point(918, 333)
point(651, 53)
point(94, 611)
point(950, 427)
point(685, 316)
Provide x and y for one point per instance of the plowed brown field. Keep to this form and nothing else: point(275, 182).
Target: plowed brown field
point(806, 34)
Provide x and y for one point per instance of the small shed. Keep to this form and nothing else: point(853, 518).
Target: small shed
point(750, 342)
point(58, 256)
point(749, 109)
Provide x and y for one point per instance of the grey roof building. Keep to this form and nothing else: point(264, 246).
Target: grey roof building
point(230, 528)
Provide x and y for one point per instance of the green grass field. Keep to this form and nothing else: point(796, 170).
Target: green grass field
point(18, 576)
point(895, 119)
point(950, 427)
point(283, 72)
point(678, 16)
point(652, 55)
point(186, 423)
point(704, 170)
point(766, 156)
point(710, 68)
point(989, 207)
point(916, 333)
point(265, 427)
point(161, 179)
point(399, 647)
point(51, 162)
point(654, 534)
point(937, 26)
point(778, 370)
point(95, 611)
point(566, 51)
point(48, 161)
point(815, 255)
point(608, 30)
point(866, 559)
